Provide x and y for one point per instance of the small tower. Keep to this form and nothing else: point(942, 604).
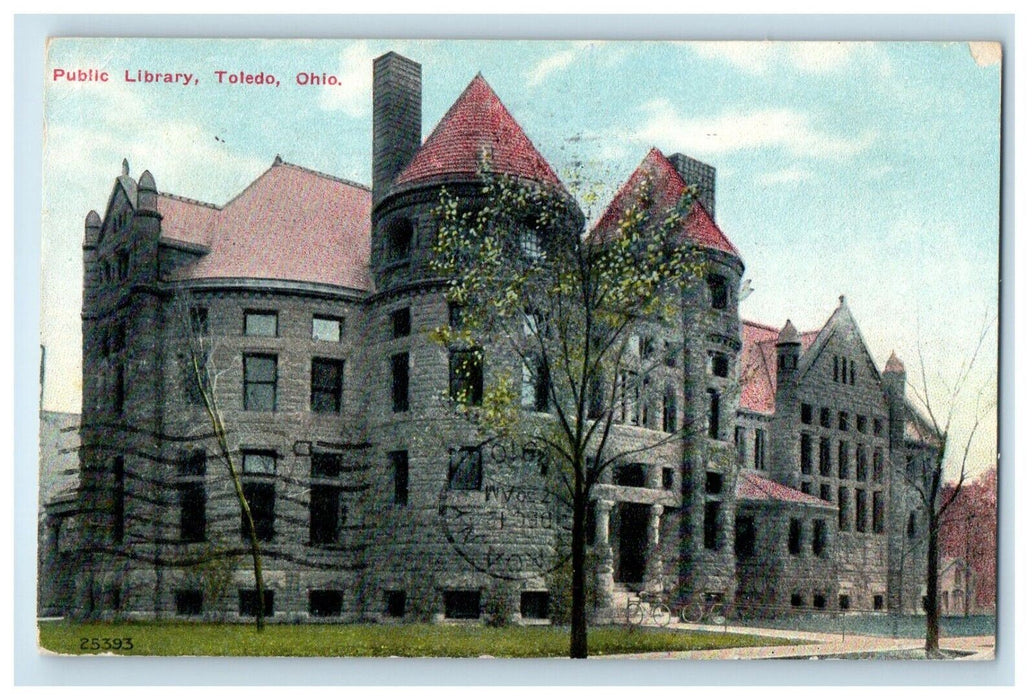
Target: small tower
point(147, 194)
point(894, 381)
point(789, 346)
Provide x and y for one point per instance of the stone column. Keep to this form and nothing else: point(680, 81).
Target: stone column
point(604, 577)
point(654, 554)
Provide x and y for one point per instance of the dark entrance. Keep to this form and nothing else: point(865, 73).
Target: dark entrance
point(632, 533)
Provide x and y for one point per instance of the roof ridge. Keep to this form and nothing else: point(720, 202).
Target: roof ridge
point(190, 200)
point(759, 324)
point(335, 178)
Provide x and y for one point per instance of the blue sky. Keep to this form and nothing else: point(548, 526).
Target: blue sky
point(869, 170)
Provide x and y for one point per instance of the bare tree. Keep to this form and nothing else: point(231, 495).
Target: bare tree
point(200, 359)
point(580, 314)
point(938, 474)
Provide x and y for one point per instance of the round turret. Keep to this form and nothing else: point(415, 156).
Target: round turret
point(92, 229)
point(147, 193)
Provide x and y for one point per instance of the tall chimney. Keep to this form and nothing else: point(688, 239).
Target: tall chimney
point(397, 119)
point(694, 172)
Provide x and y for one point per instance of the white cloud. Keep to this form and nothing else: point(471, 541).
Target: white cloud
point(555, 62)
point(758, 57)
point(737, 131)
point(784, 176)
point(353, 93)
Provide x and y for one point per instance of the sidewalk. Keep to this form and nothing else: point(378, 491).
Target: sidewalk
point(821, 645)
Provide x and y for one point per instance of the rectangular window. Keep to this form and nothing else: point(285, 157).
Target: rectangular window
point(248, 602)
point(744, 536)
point(119, 500)
point(199, 321)
point(260, 497)
point(466, 376)
point(878, 513)
point(878, 468)
point(718, 291)
point(327, 328)
point(325, 465)
point(401, 382)
point(807, 413)
point(713, 483)
point(192, 512)
point(456, 316)
point(806, 453)
point(713, 414)
point(825, 492)
point(261, 323)
point(260, 383)
point(465, 469)
point(720, 366)
point(819, 538)
point(535, 605)
point(668, 476)
point(843, 371)
point(669, 411)
point(325, 395)
point(259, 462)
point(671, 351)
point(878, 427)
point(861, 463)
point(191, 463)
point(325, 603)
point(711, 525)
point(796, 600)
point(834, 369)
point(843, 420)
point(861, 510)
point(806, 487)
point(188, 602)
point(740, 444)
point(912, 525)
point(825, 417)
point(794, 536)
point(400, 464)
point(630, 475)
point(119, 401)
point(401, 322)
point(323, 514)
point(462, 605)
point(852, 372)
point(825, 456)
point(861, 424)
point(843, 508)
point(843, 460)
point(395, 603)
point(843, 601)
point(819, 601)
point(760, 448)
point(879, 602)
point(535, 386)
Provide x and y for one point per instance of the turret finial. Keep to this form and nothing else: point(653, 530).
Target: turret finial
point(125, 166)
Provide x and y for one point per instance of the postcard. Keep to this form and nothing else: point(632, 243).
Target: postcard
point(680, 350)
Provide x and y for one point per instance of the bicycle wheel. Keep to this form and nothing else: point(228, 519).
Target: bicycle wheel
point(661, 615)
point(687, 613)
point(634, 614)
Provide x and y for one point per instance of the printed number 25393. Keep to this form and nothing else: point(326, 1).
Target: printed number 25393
point(105, 643)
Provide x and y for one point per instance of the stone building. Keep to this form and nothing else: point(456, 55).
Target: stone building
point(314, 300)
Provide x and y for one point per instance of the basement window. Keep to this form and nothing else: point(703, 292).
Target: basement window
point(325, 603)
point(535, 605)
point(188, 602)
point(462, 605)
point(247, 605)
point(395, 603)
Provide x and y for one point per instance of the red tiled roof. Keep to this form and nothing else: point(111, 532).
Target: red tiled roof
point(668, 186)
point(187, 220)
point(289, 224)
point(759, 365)
point(752, 486)
point(478, 123)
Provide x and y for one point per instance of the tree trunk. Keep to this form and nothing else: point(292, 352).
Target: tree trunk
point(257, 563)
point(931, 642)
point(578, 639)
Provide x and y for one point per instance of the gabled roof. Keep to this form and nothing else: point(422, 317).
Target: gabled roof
point(840, 318)
point(291, 224)
point(478, 125)
point(753, 486)
point(668, 186)
point(759, 365)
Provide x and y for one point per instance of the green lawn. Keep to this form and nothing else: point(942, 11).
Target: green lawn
point(212, 639)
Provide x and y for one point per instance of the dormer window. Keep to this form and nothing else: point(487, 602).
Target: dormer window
point(400, 240)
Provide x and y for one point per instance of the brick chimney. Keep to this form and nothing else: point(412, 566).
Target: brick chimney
point(397, 119)
point(694, 172)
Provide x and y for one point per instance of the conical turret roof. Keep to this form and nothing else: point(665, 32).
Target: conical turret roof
point(478, 125)
point(789, 335)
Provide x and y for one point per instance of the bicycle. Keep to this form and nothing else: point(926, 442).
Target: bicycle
point(647, 604)
point(701, 610)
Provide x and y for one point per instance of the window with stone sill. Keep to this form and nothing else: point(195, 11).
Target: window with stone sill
point(327, 329)
point(261, 324)
point(400, 321)
point(260, 382)
point(326, 385)
point(466, 379)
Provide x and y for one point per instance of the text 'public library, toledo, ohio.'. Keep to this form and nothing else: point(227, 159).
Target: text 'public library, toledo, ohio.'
point(371, 499)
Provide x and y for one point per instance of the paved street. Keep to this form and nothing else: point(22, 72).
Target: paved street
point(825, 645)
